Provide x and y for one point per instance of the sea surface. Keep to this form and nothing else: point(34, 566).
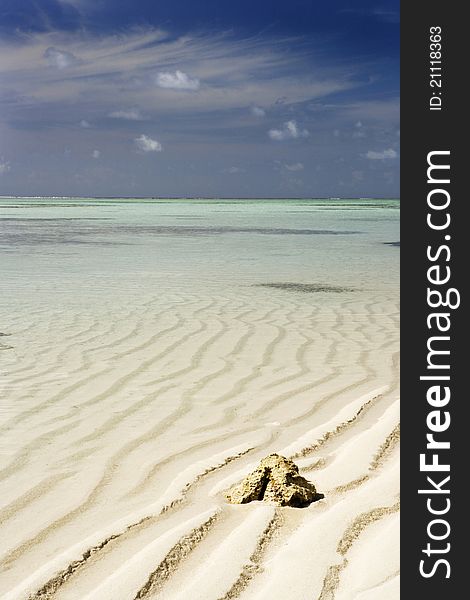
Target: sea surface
point(86, 248)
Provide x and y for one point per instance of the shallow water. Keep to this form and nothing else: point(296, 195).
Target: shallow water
point(90, 247)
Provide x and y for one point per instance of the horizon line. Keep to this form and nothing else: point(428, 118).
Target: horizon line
point(3, 197)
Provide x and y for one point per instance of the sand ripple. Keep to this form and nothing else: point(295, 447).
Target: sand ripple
point(122, 426)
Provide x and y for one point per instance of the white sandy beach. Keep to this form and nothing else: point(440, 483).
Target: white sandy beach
point(133, 399)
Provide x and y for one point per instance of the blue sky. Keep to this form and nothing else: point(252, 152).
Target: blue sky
point(210, 98)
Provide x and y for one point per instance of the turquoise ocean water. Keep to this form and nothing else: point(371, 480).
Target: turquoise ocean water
point(76, 247)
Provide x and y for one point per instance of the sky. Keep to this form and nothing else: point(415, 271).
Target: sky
point(215, 98)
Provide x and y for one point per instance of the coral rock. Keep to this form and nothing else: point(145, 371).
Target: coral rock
point(276, 480)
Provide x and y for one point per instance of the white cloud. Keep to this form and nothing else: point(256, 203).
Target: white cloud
point(289, 130)
point(177, 81)
point(96, 154)
point(4, 166)
point(295, 167)
point(233, 170)
point(61, 59)
point(257, 111)
point(385, 154)
point(146, 144)
point(358, 124)
point(131, 114)
point(85, 124)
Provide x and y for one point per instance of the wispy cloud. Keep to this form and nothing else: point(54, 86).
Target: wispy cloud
point(381, 14)
point(387, 16)
point(383, 155)
point(96, 154)
point(85, 124)
point(358, 134)
point(295, 167)
point(177, 81)
point(4, 166)
point(290, 130)
point(131, 114)
point(255, 72)
point(146, 144)
point(383, 111)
